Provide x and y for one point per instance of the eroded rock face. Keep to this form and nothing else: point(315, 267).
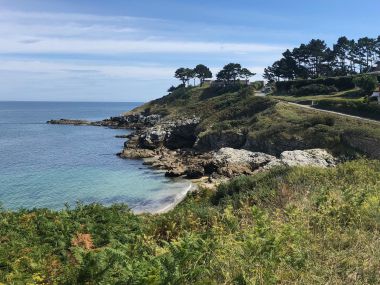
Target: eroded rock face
point(170, 134)
point(217, 140)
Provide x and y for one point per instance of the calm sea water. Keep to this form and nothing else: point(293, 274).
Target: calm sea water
point(45, 165)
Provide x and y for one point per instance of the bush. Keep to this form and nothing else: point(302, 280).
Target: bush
point(216, 90)
point(313, 89)
point(351, 107)
point(257, 85)
point(367, 83)
point(341, 83)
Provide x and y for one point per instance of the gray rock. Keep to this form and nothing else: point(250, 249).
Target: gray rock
point(231, 162)
point(312, 157)
point(242, 157)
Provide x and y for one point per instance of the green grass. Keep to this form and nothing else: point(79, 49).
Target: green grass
point(350, 102)
point(286, 226)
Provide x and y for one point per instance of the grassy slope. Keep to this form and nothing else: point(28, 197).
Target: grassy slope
point(272, 126)
point(286, 226)
point(348, 102)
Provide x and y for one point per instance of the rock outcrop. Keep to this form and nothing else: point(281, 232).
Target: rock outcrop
point(215, 140)
point(132, 121)
point(310, 157)
point(175, 146)
point(173, 134)
point(231, 162)
point(71, 122)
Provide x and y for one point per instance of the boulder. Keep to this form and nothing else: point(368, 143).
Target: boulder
point(195, 172)
point(312, 157)
point(175, 172)
point(253, 160)
point(231, 162)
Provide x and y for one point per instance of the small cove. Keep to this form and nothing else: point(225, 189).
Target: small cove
point(52, 165)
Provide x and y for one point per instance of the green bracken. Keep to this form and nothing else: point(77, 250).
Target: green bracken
point(285, 226)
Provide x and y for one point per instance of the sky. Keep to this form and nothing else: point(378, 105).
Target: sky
point(128, 50)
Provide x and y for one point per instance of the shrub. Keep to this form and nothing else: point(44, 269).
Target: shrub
point(367, 83)
point(351, 107)
point(257, 85)
point(341, 83)
point(313, 89)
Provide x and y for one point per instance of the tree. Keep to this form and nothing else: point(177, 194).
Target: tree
point(316, 59)
point(367, 83)
point(184, 74)
point(269, 74)
point(229, 73)
point(341, 51)
point(202, 72)
point(181, 74)
point(366, 52)
point(246, 74)
point(317, 56)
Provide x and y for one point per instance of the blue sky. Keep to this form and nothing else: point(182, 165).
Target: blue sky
point(114, 50)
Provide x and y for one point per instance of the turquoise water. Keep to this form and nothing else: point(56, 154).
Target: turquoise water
point(44, 165)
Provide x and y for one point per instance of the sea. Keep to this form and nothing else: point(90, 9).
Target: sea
point(57, 166)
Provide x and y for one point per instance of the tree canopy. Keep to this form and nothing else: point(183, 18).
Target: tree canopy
point(232, 72)
point(202, 72)
point(316, 59)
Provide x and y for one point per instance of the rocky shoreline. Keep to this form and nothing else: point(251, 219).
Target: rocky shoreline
point(172, 145)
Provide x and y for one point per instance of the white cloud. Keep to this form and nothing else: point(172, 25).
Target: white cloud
point(91, 46)
point(143, 71)
point(96, 54)
point(22, 32)
point(68, 69)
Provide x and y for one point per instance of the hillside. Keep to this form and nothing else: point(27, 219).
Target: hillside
point(240, 119)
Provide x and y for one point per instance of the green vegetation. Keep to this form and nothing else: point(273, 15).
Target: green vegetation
point(201, 72)
point(366, 83)
point(232, 72)
point(316, 59)
point(286, 226)
point(341, 83)
point(351, 102)
point(269, 125)
point(313, 89)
